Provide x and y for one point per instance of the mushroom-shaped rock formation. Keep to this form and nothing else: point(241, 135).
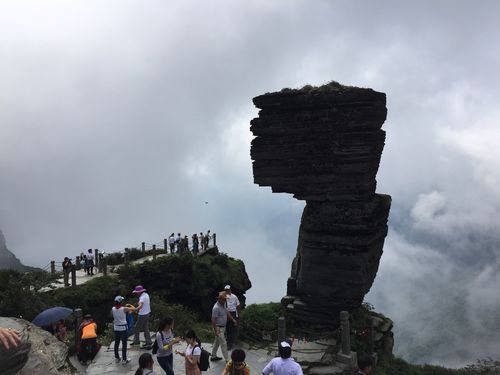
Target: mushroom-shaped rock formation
point(323, 145)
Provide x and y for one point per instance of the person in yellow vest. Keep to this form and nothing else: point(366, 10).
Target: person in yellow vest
point(88, 342)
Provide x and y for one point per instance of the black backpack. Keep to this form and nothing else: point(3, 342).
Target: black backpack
point(204, 363)
point(155, 344)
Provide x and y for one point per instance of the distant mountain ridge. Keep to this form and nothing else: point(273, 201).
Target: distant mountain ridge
point(8, 260)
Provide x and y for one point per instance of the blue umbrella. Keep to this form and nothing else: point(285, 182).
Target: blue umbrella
point(51, 315)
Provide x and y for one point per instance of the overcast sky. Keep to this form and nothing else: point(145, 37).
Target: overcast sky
point(120, 119)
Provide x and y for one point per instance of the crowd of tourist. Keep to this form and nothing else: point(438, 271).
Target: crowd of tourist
point(225, 319)
point(179, 243)
point(129, 319)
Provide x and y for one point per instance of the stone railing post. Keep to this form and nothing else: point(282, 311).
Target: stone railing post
point(73, 276)
point(104, 266)
point(96, 257)
point(165, 245)
point(345, 333)
point(345, 355)
point(78, 320)
point(143, 245)
point(281, 329)
point(371, 335)
point(215, 239)
point(154, 252)
point(52, 266)
point(125, 256)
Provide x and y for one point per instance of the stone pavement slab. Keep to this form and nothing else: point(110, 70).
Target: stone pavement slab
point(104, 362)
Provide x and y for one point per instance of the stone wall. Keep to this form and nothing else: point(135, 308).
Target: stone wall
point(324, 145)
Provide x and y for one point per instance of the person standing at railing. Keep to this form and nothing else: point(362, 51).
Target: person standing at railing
point(171, 243)
point(206, 240)
point(178, 242)
point(66, 266)
point(83, 262)
point(201, 238)
point(195, 244)
point(90, 263)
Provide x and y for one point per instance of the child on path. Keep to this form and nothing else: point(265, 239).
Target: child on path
point(192, 353)
point(146, 364)
point(237, 365)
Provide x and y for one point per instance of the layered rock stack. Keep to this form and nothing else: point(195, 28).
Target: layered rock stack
point(323, 145)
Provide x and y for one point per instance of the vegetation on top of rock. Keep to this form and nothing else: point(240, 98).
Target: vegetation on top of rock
point(118, 257)
point(188, 280)
point(332, 86)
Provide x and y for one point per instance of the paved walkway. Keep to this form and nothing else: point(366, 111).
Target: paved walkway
point(82, 277)
point(104, 362)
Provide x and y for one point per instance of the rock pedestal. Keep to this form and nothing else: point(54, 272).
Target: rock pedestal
point(324, 145)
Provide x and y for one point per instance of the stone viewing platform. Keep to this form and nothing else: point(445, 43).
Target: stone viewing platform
point(104, 362)
point(41, 353)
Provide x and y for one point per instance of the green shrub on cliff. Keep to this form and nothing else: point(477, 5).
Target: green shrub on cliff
point(188, 280)
point(95, 297)
point(19, 293)
point(397, 366)
point(260, 321)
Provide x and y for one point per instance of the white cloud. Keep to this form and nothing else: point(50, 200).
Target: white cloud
point(118, 121)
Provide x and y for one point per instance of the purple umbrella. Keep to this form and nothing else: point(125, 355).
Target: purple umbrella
point(51, 315)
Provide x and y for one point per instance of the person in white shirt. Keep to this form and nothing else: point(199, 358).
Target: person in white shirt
point(120, 327)
point(171, 243)
point(90, 263)
point(284, 364)
point(192, 353)
point(233, 307)
point(142, 324)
